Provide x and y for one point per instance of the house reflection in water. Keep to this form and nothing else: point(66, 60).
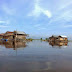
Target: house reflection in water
point(13, 44)
point(58, 44)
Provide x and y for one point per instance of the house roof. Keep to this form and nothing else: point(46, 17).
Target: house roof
point(59, 35)
point(20, 32)
point(9, 32)
point(2, 34)
point(63, 36)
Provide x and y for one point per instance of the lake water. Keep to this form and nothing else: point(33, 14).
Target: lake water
point(35, 56)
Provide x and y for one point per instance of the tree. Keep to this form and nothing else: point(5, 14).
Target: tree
point(41, 38)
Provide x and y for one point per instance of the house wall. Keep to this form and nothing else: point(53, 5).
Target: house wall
point(65, 39)
point(21, 37)
point(61, 39)
point(1, 37)
point(8, 37)
point(57, 39)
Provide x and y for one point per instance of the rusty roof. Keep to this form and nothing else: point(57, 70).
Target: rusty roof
point(2, 34)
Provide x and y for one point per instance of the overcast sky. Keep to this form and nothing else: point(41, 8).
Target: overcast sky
point(36, 17)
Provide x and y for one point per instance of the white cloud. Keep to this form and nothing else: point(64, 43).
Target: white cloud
point(2, 22)
point(64, 16)
point(2, 26)
point(47, 13)
point(38, 11)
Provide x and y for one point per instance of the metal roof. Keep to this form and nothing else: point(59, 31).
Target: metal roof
point(2, 34)
point(20, 32)
point(60, 35)
point(63, 36)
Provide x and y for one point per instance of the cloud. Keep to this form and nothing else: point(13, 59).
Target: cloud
point(38, 11)
point(4, 22)
point(7, 10)
point(47, 13)
point(2, 26)
point(63, 17)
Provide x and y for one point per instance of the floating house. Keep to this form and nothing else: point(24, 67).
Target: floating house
point(19, 35)
point(59, 38)
point(16, 35)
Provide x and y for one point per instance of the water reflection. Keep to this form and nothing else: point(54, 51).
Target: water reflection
point(58, 44)
point(13, 44)
point(36, 57)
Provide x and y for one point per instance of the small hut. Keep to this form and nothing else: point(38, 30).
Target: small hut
point(19, 35)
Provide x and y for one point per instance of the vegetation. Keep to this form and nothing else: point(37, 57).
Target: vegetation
point(46, 39)
point(30, 39)
point(41, 39)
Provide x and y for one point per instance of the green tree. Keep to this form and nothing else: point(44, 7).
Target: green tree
point(46, 38)
point(41, 38)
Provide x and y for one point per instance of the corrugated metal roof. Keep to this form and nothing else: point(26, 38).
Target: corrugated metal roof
point(20, 32)
point(63, 36)
point(59, 35)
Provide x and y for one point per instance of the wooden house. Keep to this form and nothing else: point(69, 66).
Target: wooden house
point(59, 38)
point(19, 35)
point(16, 35)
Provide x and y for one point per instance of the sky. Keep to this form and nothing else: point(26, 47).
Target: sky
point(38, 18)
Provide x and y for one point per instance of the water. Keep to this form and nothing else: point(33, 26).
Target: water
point(35, 56)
